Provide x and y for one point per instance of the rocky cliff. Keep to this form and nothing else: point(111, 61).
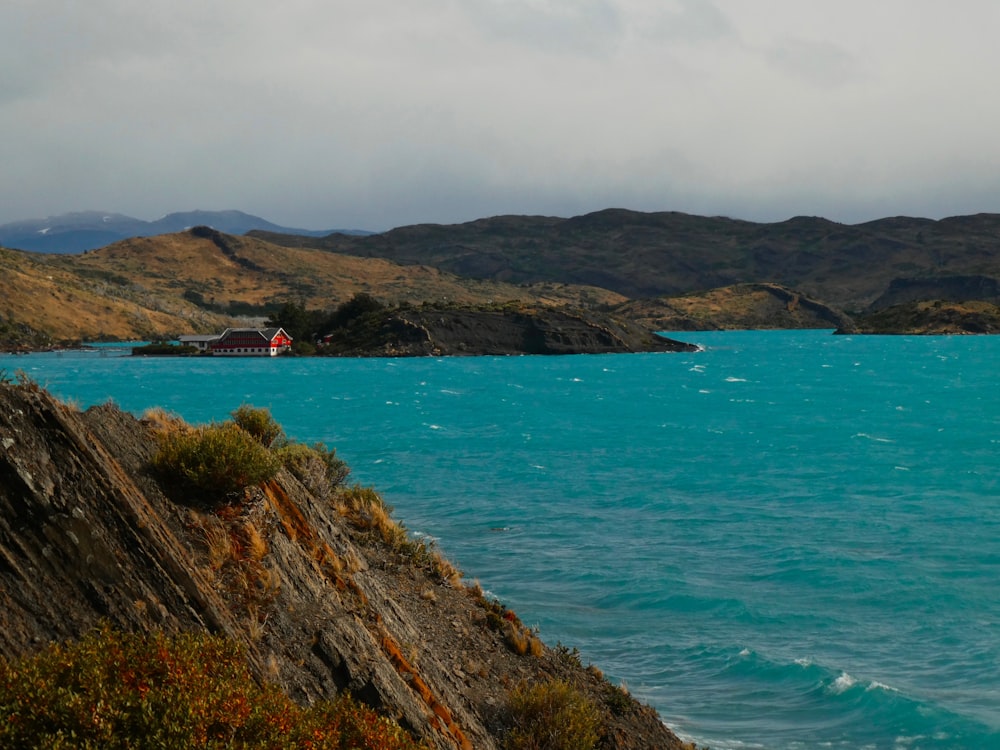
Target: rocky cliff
point(325, 593)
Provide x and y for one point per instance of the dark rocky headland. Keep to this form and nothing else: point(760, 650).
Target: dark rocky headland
point(510, 329)
point(324, 591)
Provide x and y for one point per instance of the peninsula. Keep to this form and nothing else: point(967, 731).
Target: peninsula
point(154, 526)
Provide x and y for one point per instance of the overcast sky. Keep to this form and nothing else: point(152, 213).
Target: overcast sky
point(379, 113)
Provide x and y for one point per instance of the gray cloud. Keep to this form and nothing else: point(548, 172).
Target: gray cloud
point(689, 21)
point(383, 113)
point(820, 63)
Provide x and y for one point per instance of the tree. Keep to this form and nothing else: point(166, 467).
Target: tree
point(358, 305)
point(298, 322)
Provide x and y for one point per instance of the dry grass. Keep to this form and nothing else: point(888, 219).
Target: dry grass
point(255, 546)
point(551, 716)
point(235, 550)
point(256, 621)
point(521, 640)
point(352, 563)
point(163, 422)
point(365, 509)
point(134, 289)
point(218, 543)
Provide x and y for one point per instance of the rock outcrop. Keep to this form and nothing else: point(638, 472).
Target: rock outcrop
point(741, 306)
point(511, 329)
point(934, 317)
point(90, 534)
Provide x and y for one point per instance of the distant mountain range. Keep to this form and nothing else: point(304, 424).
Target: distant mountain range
point(645, 255)
point(89, 230)
point(669, 271)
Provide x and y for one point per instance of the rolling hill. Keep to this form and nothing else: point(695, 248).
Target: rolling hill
point(643, 255)
point(202, 280)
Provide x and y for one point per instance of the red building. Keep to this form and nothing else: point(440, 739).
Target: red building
point(251, 342)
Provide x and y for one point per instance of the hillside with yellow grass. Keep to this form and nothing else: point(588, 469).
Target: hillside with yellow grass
point(202, 280)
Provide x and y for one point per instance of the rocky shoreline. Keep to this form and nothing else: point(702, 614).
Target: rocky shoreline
point(323, 591)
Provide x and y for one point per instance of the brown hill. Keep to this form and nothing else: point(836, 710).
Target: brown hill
point(930, 317)
point(322, 589)
point(667, 254)
point(201, 280)
point(742, 306)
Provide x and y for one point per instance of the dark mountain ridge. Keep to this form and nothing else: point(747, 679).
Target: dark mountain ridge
point(643, 255)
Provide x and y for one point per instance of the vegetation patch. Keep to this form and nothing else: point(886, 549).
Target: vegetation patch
point(366, 511)
point(551, 716)
point(258, 423)
point(165, 349)
point(115, 690)
point(214, 463)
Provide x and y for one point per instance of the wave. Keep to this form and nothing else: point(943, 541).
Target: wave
point(794, 696)
point(866, 436)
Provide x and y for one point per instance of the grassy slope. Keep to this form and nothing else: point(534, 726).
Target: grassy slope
point(135, 288)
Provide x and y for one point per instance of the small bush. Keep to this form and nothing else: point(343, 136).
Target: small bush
point(302, 460)
point(336, 470)
point(259, 423)
point(113, 690)
point(365, 509)
point(551, 716)
point(214, 461)
point(618, 699)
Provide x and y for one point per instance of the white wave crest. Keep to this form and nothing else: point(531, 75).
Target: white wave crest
point(874, 439)
point(843, 683)
point(876, 685)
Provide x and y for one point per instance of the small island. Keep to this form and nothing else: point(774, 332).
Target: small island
point(365, 327)
point(439, 330)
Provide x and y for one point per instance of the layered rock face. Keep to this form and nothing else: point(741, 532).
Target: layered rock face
point(90, 534)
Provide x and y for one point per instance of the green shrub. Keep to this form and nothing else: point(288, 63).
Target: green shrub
point(214, 461)
point(336, 470)
point(259, 423)
point(314, 465)
point(297, 458)
point(551, 716)
point(113, 690)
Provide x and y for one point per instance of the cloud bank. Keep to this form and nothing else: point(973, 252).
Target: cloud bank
point(384, 113)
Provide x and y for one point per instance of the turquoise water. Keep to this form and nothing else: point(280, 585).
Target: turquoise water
point(787, 540)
